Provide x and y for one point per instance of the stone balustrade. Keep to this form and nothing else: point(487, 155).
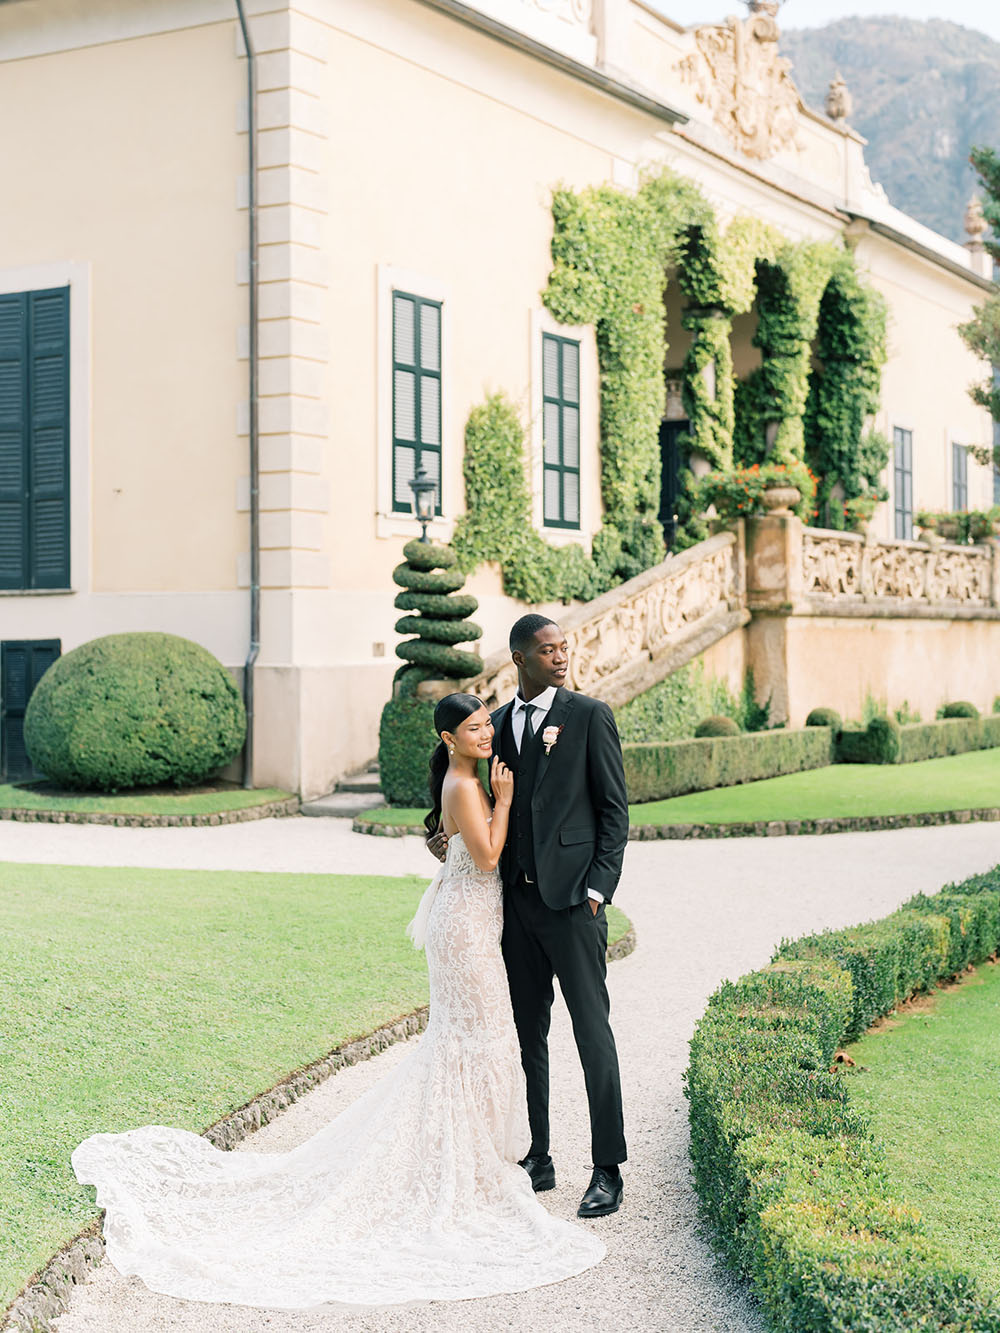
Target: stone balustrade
point(636, 634)
point(846, 573)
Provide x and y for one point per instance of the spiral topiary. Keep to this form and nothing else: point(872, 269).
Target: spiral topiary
point(430, 582)
point(717, 726)
point(134, 710)
point(825, 717)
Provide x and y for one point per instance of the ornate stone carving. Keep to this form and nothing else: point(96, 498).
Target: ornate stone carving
point(636, 621)
point(839, 102)
point(739, 75)
point(975, 221)
point(846, 568)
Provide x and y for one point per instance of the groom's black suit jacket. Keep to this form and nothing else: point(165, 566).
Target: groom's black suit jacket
point(571, 804)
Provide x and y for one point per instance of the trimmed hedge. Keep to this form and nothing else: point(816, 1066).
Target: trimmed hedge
point(957, 735)
point(787, 1174)
point(134, 710)
point(406, 741)
point(878, 743)
point(654, 772)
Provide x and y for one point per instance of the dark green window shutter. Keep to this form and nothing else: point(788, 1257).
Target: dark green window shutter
point(48, 398)
point(560, 431)
point(416, 396)
point(14, 471)
point(34, 439)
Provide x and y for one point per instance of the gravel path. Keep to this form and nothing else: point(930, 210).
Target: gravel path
point(702, 911)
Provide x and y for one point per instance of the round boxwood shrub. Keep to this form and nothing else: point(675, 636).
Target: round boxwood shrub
point(134, 710)
point(960, 708)
point(717, 726)
point(825, 717)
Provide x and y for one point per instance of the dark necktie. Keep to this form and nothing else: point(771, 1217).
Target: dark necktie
point(529, 725)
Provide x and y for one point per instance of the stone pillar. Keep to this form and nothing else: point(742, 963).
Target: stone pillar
point(774, 589)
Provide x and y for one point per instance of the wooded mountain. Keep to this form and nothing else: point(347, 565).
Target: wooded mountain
point(924, 92)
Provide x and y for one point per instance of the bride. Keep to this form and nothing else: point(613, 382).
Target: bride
point(414, 1192)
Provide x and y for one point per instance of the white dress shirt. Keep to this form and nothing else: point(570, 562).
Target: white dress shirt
point(542, 703)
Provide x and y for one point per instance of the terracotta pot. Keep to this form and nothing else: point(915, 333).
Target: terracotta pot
point(779, 500)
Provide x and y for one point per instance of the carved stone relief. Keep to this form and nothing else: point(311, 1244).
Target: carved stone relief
point(738, 73)
point(634, 626)
point(848, 568)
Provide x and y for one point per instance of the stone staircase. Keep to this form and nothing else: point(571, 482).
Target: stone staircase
point(629, 639)
point(352, 794)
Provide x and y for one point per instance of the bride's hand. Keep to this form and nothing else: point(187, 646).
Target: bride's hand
point(501, 782)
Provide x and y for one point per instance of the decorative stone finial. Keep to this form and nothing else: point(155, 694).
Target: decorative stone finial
point(768, 7)
point(839, 102)
point(975, 222)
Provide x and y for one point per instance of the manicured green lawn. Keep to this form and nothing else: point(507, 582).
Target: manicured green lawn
point(133, 997)
point(396, 814)
point(960, 782)
point(161, 801)
point(931, 1086)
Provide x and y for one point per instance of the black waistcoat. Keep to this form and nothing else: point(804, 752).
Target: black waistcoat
point(524, 766)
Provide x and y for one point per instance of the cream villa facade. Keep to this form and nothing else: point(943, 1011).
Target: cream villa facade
point(407, 152)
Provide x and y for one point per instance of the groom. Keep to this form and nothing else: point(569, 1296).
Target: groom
point(560, 866)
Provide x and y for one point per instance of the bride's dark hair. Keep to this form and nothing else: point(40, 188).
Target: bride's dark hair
point(450, 713)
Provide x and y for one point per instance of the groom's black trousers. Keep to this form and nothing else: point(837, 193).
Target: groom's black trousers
point(570, 943)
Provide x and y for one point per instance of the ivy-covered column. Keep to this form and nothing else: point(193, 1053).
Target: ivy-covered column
point(843, 394)
point(771, 402)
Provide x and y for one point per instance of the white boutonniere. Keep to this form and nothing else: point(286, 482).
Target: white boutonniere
point(549, 737)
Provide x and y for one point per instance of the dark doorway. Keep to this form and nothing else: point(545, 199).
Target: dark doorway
point(670, 475)
point(22, 665)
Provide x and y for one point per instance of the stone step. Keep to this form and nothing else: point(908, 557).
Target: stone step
point(360, 782)
point(343, 804)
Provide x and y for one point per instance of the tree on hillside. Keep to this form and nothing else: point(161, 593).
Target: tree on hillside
point(982, 332)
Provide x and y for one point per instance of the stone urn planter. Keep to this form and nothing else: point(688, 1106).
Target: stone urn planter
point(780, 500)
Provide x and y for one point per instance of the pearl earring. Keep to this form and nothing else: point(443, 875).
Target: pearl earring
point(451, 749)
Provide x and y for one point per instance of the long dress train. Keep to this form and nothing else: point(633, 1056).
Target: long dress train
point(413, 1192)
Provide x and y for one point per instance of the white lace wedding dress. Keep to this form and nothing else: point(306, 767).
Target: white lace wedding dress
point(412, 1193)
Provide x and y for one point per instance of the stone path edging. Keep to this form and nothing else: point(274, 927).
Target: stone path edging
point(269, 810)
point(48, 1295)
point(779, 828)
point(759, 828)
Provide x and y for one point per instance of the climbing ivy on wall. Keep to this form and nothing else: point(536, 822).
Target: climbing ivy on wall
point(612, 252)
point(850, 352)
point(497, 523)
point(772, 402)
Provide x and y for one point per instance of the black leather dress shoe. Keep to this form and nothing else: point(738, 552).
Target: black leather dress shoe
point(541, 1171)
point(604, 1194)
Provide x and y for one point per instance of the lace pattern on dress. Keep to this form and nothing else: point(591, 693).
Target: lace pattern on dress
point(413, 1192)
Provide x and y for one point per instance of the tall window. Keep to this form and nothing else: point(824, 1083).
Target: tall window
point(561, 431)
point(416, 396)
point(959, 477)
point(902, 472)
point(34, 439)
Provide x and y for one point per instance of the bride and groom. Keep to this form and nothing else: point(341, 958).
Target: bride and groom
point(425, 1188)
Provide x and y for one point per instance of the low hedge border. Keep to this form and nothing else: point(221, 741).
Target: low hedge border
point(760, 828)
point(788, 1176)
point(47, 1295)
point(655, 771)
point(884, 741)
point(269, 810)
point(780, 828)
